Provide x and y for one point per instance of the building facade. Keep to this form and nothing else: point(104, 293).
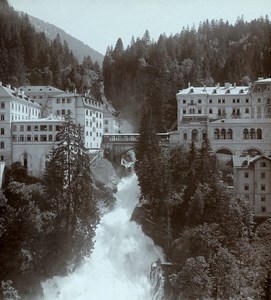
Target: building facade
point(31, 116)
point(252, 179)
point(234, 118)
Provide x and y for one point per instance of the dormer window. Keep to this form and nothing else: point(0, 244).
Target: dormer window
point(241, 91)
point(191, 90)
point(228, 91)
point(214, 91)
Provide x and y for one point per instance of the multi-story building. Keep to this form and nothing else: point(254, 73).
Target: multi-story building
point(237, 122)
point(252, 179)
point(30, 118)
point(234, 118)
point(32, 141)
point(111, 121)
point(86, 111)
point(14, 106)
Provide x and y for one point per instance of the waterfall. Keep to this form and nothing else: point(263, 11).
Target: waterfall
point(122, 265)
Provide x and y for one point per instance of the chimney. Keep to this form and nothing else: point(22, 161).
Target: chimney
point(8, 86)
point(189, 84)
point(218, 85)
point(1, 83)
point(234, 84)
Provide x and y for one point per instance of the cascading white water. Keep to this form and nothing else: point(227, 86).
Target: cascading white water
point(120, 263)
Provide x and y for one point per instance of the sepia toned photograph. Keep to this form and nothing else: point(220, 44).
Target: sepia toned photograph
point(135, 150)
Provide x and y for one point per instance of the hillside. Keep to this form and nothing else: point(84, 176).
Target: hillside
point(78, 48)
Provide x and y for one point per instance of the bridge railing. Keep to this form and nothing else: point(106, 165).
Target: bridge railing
point(121, 138)
point(132, 138)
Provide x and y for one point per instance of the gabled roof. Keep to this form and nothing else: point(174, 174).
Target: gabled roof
point(247, 161)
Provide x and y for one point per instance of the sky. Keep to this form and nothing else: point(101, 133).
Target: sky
point(99, 23)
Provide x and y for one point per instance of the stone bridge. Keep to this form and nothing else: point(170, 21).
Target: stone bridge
point(116, 145)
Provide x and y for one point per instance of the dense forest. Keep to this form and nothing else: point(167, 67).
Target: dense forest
point(216, 248)
point(28, 57)
point(149, 73)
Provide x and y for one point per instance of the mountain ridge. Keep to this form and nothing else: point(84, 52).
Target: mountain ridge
point(78, 48)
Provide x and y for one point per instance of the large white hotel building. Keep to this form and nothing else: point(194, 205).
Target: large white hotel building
point(237, 122)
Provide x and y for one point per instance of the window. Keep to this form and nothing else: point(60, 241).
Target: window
point(68, 100)
point(246, 187)
point(28, 128)
point(246, 174)
point(2, 131)
point(63, 112)
point(63, 101)
point(21, 138)
point(184, 101)
point(219, 100)
point(184, 111)
point(185, 136)
point(223, 100)
point(247, 110)
point(21, 127)
point(263, 209)
point(247, 100)
point(199, 111)
point(199, 101)
point(229, 134)
point(210, 101)
point(263, 175)
point(223, 134)
point(57, 100)
point(28, 138)
point(216, 134)
point(2, 158)
point(36, 127)
point(233, 100)
point(43, 127)
point(86, 112)
point(50, 127)
point(50, 138)
point(2, 117)
point(238, 100)
point(263, 164)
point(245, 134)
point(262, 187)
point(259, 100)
point(259, 134)
point(43, 138)
point(262, 198)
point(210, 110)
point(2, 145)
point(2, 105)
point(36, 138)
point(252, 133)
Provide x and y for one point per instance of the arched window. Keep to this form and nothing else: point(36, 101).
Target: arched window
point(185, 136)
point(223, 134)
point(252, 133)
point(195, 134)
point(229, 134)
point(210, 110)
point(259, 134)
point(216, 134)
point(245, 134)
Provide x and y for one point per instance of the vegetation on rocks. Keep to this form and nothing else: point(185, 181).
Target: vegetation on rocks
point(207, 233)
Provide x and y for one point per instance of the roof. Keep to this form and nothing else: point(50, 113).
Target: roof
point(266, 80)
point(246, 161)
point(215, 90)
point(6, 92)
point(40, 88)
point(49, 119)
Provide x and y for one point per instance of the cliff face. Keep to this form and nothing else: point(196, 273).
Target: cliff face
point(105, 182)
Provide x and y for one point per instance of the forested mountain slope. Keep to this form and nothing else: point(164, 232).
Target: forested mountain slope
point(78, 48)
point(150, 73)
point(29, 57)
